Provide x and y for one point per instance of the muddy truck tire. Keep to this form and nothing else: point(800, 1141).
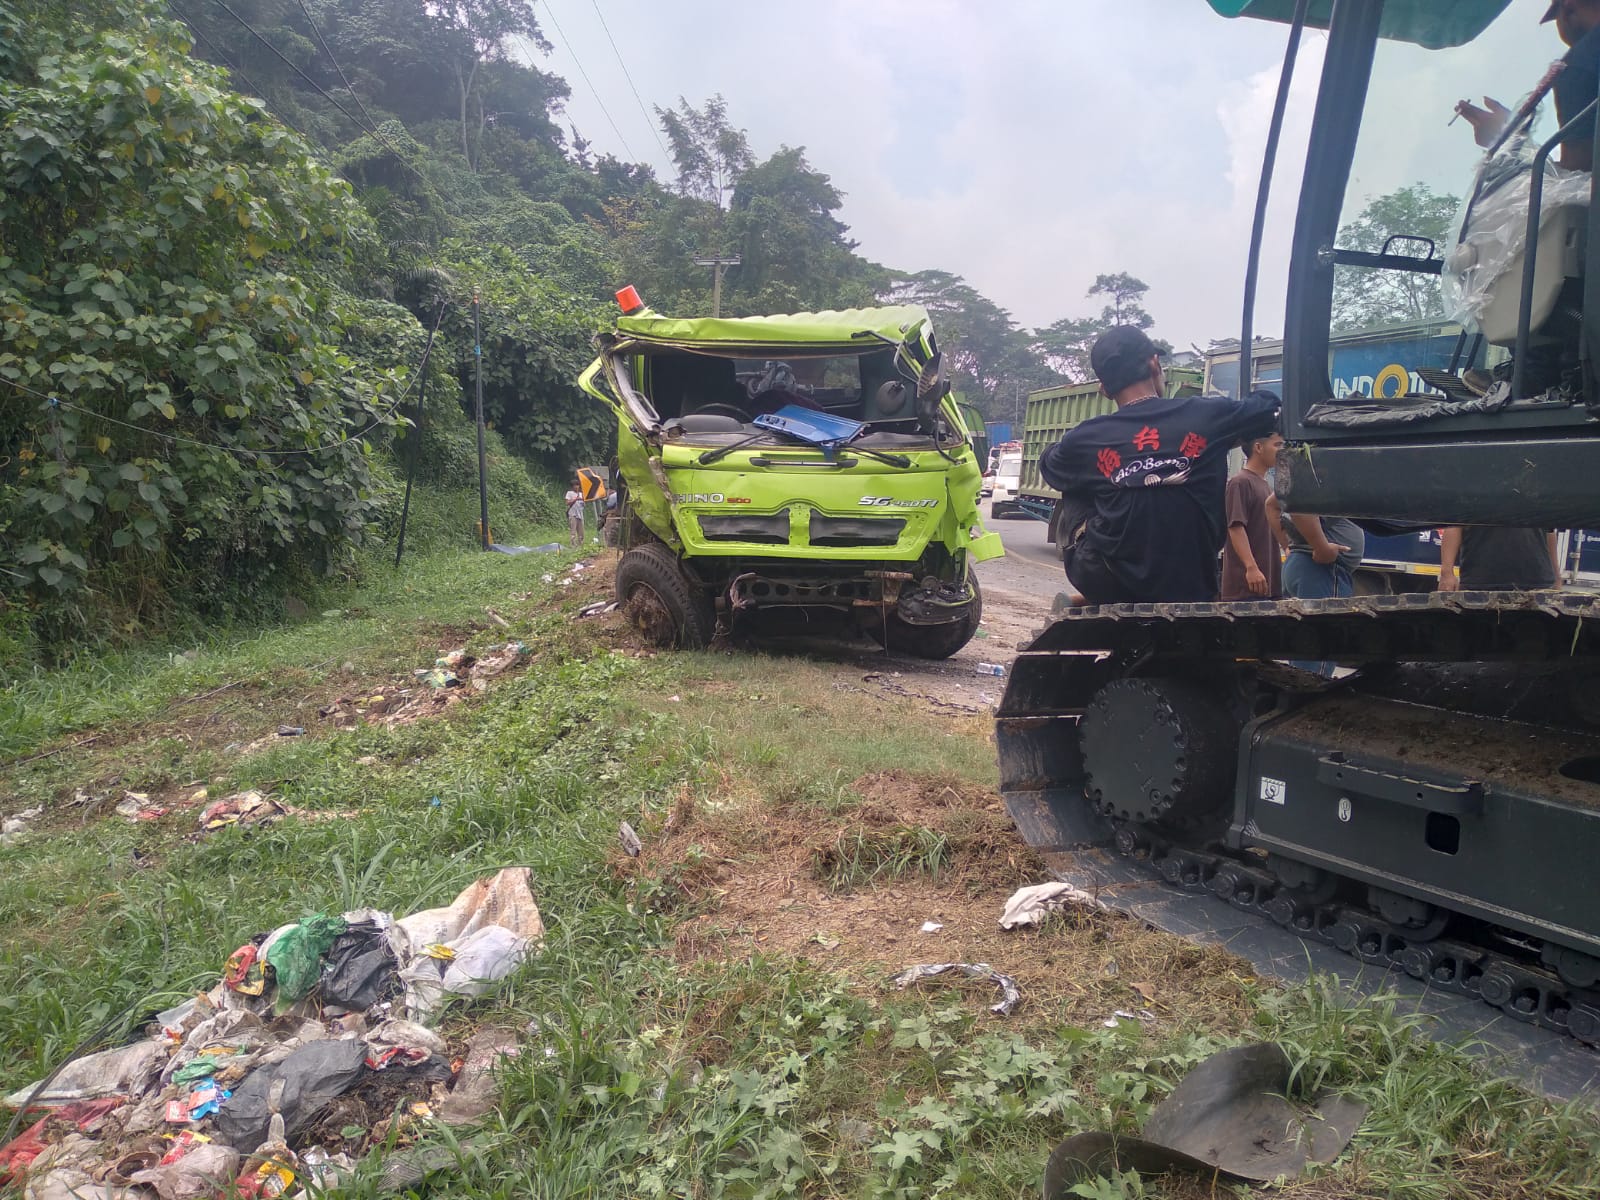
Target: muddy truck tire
point(661, 601)
point(933, 641)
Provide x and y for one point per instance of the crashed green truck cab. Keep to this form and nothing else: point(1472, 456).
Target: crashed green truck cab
point(724, 518)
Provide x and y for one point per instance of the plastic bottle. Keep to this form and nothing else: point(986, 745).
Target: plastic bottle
point(991, 669)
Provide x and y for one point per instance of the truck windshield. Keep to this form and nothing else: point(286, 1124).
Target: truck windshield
point(681, 384)
point(708, 397)
point(1413, 168)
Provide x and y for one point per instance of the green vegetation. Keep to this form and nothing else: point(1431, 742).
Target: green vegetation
point(656, 1069)
point(226, 231)
point(857, 857)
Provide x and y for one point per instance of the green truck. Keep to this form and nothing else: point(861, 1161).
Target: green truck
point(792, 470)
point(1053, 411)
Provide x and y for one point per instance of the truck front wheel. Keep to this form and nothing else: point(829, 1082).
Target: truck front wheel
point(661, 600)
point(933, 641)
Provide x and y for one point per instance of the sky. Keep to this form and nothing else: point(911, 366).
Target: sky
point(1030, 145)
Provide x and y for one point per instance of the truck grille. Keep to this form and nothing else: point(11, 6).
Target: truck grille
point(855, 531)
point(747, 527)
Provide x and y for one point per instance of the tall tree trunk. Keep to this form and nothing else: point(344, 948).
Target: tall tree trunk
point(461, 88)
point(466, 91)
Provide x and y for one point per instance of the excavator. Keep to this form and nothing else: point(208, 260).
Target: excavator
point(1433, 807)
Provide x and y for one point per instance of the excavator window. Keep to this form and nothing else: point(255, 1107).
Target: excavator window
point(1411, 175)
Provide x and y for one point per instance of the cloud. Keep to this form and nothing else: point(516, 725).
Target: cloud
point(1032, 145)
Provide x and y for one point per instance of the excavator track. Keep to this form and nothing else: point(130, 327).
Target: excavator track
point(1429, 813)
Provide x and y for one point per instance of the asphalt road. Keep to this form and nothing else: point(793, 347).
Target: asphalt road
point(1031, 565)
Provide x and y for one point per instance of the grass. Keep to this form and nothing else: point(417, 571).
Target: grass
point(859, 857)
point(759, 1068)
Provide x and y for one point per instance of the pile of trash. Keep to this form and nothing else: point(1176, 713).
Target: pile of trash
point(454, 673)
point(313, 1046)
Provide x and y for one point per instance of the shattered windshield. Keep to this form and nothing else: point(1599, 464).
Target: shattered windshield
point(702, 396)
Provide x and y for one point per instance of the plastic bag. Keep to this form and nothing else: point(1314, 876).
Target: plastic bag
point(361, 969)
point(295, 956)
point(67, 1183)
point(129, 1071)
point(202, 1172)
point(463, 967)
point(311, 1077)
point(21, 1150)
point(1492, 244)
point(503, 899)
point(481, 937)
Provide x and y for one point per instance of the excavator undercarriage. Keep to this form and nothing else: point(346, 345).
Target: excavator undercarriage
point(1436, 808)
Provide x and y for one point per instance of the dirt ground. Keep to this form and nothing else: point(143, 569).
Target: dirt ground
point(761, 878)
point(758, 876)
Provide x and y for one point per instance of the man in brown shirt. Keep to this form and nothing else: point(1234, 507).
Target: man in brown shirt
point(1250, 560)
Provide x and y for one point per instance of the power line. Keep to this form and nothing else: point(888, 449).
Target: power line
point(567, 42)
point(321, 41)
point(369, 129)
point(290, 63)
point(238, 73)
point(629, 77)
point(56, 402)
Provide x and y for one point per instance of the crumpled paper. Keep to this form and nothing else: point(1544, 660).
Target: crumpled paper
point(1031, 905)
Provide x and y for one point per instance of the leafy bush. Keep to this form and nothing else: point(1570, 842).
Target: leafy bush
point(185, 400)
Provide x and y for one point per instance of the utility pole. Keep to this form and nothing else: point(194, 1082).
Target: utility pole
point(483, 469)
point(717, 263)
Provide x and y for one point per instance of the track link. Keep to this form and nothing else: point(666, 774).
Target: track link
point(1521, 991)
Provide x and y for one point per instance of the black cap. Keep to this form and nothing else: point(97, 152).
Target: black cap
point(1120, 357)
point(1555, 11)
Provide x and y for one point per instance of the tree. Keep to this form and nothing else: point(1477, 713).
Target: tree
point(795, 253)
point(474, 33)
point(171, 276)
point(710, 154)
point(1066, 344)
point(1364, 298)
point(1126, 297)
point(990, 360)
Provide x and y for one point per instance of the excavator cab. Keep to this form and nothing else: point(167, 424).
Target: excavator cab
point(1404, 223)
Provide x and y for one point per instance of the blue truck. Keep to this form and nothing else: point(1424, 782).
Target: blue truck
point(1384, 363)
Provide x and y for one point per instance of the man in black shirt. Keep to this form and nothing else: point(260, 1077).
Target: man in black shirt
point(1142, 487)
point(1497, 560)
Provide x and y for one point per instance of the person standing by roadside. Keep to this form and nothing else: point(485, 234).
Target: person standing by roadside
point(1250, 561)
point(1324, 553)
point(574, 517)
point(1493, 559)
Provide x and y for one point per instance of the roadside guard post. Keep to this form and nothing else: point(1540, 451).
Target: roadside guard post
point(592, 487)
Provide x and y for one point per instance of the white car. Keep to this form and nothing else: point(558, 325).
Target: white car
point(1007, 478)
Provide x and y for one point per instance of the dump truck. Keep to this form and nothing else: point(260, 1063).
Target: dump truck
point(790, 471)
point(1435, 808)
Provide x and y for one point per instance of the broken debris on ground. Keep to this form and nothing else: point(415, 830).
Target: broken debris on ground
point(1031, 905)
point(452, 676)
point(1010, 994)
point(259, 1085)
point(1230, 1114)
